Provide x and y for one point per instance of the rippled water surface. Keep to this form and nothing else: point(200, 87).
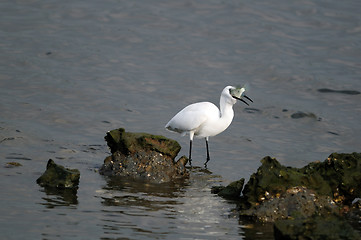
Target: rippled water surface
point(72, 70)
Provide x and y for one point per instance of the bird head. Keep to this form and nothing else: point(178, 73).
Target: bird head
point(238, 93)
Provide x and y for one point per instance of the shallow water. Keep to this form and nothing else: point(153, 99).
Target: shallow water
point(71, 71)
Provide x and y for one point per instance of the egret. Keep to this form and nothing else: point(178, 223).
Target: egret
point(204, 119)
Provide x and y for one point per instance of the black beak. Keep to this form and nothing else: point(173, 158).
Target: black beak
point(243, 99)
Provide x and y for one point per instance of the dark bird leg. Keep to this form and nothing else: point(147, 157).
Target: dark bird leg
point(190, 152)
point(208, 158)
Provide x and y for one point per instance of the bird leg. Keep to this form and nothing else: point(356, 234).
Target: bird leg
point(208, 158)
point(190, 152)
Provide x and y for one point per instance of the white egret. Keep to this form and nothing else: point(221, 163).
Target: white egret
point(204, 119)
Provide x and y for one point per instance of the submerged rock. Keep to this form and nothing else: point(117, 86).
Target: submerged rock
point(143, 156)
point(57, 176)
point(232, 191)
point(348, 92)
point(296, 202)
point(13, 164)
point(299, 114)
point(315, 228)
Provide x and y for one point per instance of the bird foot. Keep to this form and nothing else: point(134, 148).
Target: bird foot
point(205, 164)
point(190, 162)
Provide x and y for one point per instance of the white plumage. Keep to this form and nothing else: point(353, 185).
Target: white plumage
point(204, 119)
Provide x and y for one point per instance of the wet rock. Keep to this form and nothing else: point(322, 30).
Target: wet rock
point(315, 228)
point(296, 202)
point(143, 156)
point(338, 177)
point(57, 176)
point(348, 92)
point(130, 143)
point(312, 202)
point(232, 191)
point(13, 164)
point(252, 110)
point(356, 203)
point(272, 179)
point(278, 192)
point(298, 115)
point(342, 173)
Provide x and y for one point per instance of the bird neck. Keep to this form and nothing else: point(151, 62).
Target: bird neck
point(226, 109)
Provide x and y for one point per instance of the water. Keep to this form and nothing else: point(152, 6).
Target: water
point(70, 71)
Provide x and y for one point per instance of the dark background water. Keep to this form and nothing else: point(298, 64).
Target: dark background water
point(72, 70)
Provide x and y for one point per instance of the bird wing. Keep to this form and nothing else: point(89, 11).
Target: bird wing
point(191, 117)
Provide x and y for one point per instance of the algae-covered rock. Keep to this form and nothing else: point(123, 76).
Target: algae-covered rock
point(129, 143)
point(58, 176)
point(296, 202)
point(231, 191)
point(315, 228)
point(143, 156)
point(13, 164)
point(338, 177)
point(304, 203)
point(321, 188)
point(342, 173)
point(272, 179)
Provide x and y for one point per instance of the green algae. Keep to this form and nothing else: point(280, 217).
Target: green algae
point(303, 203)
point(129, 142)
point(316, 228)
point(57, 176)
point(143, 156)
point(342, 173)
point(339, 177)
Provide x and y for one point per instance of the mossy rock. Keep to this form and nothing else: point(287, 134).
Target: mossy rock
point(296, 202)
point(143, 156)
point(129, 142)
point(315, 228)
point(339, 177)
point(57, 176)
point(272, 179)
point(342, 172)
point(145, 166)
point(231, 191)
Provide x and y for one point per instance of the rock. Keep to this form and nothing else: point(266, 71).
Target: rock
point(277, 192)
point(305, 203)
point(57, 176)
point(315, 228)
point(143, 156)
point(356, 203)
point(348, 92)
point(13, 164)
point(296, 202)
point(298, 115)
point(272, 179)
point(338, 177)
point(232, 191)
point(130, 143)
point(342, 173)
